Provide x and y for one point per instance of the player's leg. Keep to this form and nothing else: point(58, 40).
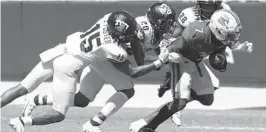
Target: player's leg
point(203, 87)
point(39, 74)
point(64, 88)
point(214, 79)
point(206, 99)
point(166, 86)
point(90, 85)
point(122, 84)
point(181, 93)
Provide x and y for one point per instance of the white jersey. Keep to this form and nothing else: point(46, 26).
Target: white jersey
point(147, 33)
point(190, 15)
point(96, 44)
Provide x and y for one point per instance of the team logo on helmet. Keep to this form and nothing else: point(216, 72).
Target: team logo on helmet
point(165, 10)
point(224, 20)
point(121, 26)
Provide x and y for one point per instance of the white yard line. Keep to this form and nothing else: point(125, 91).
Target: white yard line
point(225, 128)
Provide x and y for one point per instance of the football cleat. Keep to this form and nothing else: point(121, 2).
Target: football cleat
point(137, 125)
point(143, 129)
point(29, 106)
point(88, 127)
point(176, 118)
point(16, 124)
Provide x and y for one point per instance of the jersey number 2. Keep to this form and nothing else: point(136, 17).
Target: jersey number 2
point(86, 45)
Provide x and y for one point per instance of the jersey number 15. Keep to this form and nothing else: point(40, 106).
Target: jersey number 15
point(87, 45)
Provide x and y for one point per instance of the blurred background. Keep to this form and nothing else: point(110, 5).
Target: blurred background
point(28, 28)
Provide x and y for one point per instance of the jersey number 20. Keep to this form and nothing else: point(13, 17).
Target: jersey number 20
point(86, 45)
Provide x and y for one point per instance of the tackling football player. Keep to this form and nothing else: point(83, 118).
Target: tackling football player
point(105, 51)
point(152, 28)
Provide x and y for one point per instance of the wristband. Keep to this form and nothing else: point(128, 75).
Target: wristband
point(158, 63)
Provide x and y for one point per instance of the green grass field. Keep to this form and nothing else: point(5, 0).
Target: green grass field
point(193, 120)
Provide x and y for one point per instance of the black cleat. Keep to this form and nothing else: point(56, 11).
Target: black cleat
point(143, 129)
point(162, 90)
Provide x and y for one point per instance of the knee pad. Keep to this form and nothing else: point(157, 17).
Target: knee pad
point(128, 92)
point(80, 100)
point(206, 99)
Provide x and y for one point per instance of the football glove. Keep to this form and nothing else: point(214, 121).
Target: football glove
point(218, 61)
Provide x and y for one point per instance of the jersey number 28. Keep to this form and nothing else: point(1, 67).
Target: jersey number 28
point(182, 17)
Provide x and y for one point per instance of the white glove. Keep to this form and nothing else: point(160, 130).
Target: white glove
point(165, 43)
point(175, 58)
point(162, 58)
point(164, 53)
point(246, 47)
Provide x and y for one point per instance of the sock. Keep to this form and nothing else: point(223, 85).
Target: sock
point(113, 104)
point(98, 119)
point(27, 120)
point(166, 111)
point(158, 117)
point(43, 100)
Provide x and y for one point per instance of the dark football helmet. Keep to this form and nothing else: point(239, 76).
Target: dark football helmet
point(207, 7)
point(162, 17)
point(122, 26)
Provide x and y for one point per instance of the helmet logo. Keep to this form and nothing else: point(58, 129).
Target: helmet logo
point(164, 9)
point(223, 20)
point(121, 26)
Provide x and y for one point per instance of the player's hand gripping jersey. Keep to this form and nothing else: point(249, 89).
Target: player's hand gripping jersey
point(96, 44)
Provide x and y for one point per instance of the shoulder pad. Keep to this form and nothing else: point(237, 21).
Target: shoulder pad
point(188, 16)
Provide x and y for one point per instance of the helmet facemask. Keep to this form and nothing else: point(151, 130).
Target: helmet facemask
point(121, 37)
point(162, 17)
point(232, 38)
point(226, 26)
point(207, 8)
point(122, 27)
point(165, 28)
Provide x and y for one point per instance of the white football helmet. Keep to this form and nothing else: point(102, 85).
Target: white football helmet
point(226, 26)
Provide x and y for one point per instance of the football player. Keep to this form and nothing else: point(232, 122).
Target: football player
point(152, 28)
point(157, 25)
point(198, 40)
point(104, 48)
point(202, 11)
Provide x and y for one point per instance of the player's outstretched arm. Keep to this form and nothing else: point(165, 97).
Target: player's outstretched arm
point(134, 72)
point(139, 71)
point(177, 31)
